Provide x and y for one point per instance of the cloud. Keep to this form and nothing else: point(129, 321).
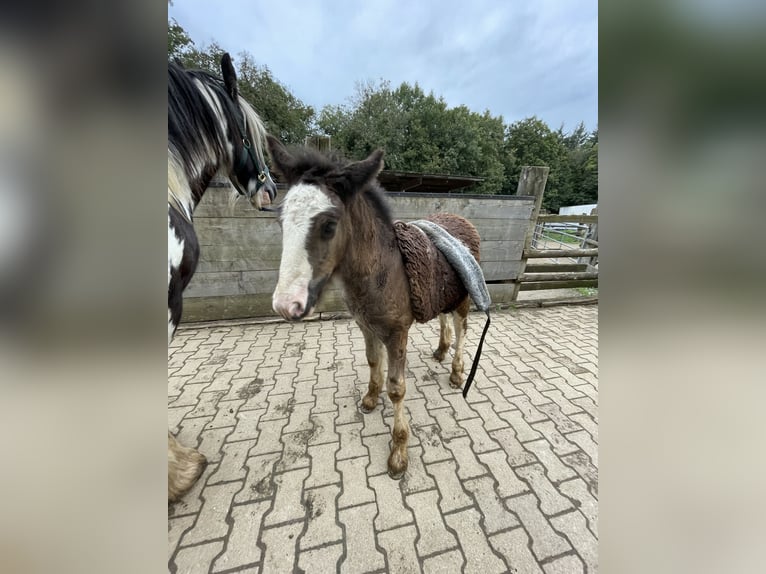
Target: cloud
point(514, 59)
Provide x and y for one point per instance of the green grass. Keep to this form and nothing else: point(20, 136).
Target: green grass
point(556, 236)
point(587, 291)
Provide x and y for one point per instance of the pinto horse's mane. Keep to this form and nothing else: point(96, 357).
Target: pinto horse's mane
point(202, 121)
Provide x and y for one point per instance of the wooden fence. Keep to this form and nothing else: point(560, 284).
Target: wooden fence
point(241, 247)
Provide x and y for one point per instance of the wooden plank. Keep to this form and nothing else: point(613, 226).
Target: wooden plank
point(555, 267)
point(554, 218)
point(531, 277)
point(553, 253)
point(558, 284)
point(557, 301)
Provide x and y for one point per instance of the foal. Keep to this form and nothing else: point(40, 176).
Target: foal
point(336, 224)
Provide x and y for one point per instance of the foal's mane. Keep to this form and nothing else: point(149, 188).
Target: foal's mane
point(315, 167)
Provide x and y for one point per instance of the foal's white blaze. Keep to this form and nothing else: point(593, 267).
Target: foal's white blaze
point(302, 203)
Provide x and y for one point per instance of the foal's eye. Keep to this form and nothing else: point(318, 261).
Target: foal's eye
point(328, 229)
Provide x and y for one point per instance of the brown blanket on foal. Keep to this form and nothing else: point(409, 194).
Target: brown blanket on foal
point(435, 287)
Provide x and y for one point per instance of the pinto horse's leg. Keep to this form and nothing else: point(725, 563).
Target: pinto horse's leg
point(184, 467)
point(460, 319)
point(374, 349)
point(445, 337)
point(396, 386)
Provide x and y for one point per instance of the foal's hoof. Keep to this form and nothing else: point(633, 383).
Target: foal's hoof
point(439, 354)
point(185, 465)
point(369, 403)
point(397, 465)
point(455, 380)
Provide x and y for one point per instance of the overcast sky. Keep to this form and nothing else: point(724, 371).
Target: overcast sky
point(516, 58)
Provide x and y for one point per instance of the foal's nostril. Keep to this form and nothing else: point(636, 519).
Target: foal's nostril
point(295, 310)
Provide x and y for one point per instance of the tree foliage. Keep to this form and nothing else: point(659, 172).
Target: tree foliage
point(418, 130)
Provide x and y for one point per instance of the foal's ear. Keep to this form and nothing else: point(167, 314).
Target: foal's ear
point(356, 175)
point(229, 76)
point(283, 162)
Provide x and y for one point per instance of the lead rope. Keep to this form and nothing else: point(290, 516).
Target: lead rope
point(476, 357)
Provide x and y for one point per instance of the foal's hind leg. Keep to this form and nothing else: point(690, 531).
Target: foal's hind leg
point(460, 319)
point(445, 337)
point(374, 349)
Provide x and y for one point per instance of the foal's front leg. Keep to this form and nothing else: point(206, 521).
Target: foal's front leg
point(397, 360)
point(374, 350)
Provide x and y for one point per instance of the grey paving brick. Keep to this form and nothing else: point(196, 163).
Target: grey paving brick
point(348, 411)
point(287, 501)
point(480, 558)
point(573, 526)
point(559, 443)
point(361, 553)
point(211, 522)
point(247, 426)
point(545, 542)
point(176, 528)
point(494, 515)
point(324, 429)
point(379, 447)
point(577, 490)
point(582, 464)
point(269, 438)
point(434, 536)
point(524, 432)
point(517, 453)
point(197, 559)
point(514, 547)
point(355, 489)
point(321, 515)
point(399, 545)
point(585, 442)
point(445, 563)
point(350, 441)
point(448, 426)
point(295, 453)
point(570, 564)
point(232, 466)
point(529, 412)
point(433, 447)
point(481, 441)
point(489, 417)
point(468, 464)
point(551, 500)
point(300, 418)
point(416, 479)
point(243, 547)
point(508, 483)
point(280, 543)
point(391, 509)
point(323, 471)
point(453, 497)
point(321, 560)
point(556, 469)
point(225, 414)
point(258, 483)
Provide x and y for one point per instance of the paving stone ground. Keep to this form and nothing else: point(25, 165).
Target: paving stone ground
point(506, 481)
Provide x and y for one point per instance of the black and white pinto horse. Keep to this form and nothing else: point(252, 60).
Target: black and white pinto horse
point(211, 129)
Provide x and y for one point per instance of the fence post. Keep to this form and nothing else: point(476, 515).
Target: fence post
point(531, 182)
point(592, 233)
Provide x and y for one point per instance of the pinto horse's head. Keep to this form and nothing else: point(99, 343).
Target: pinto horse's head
point(248, 171)
point(315, 226)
